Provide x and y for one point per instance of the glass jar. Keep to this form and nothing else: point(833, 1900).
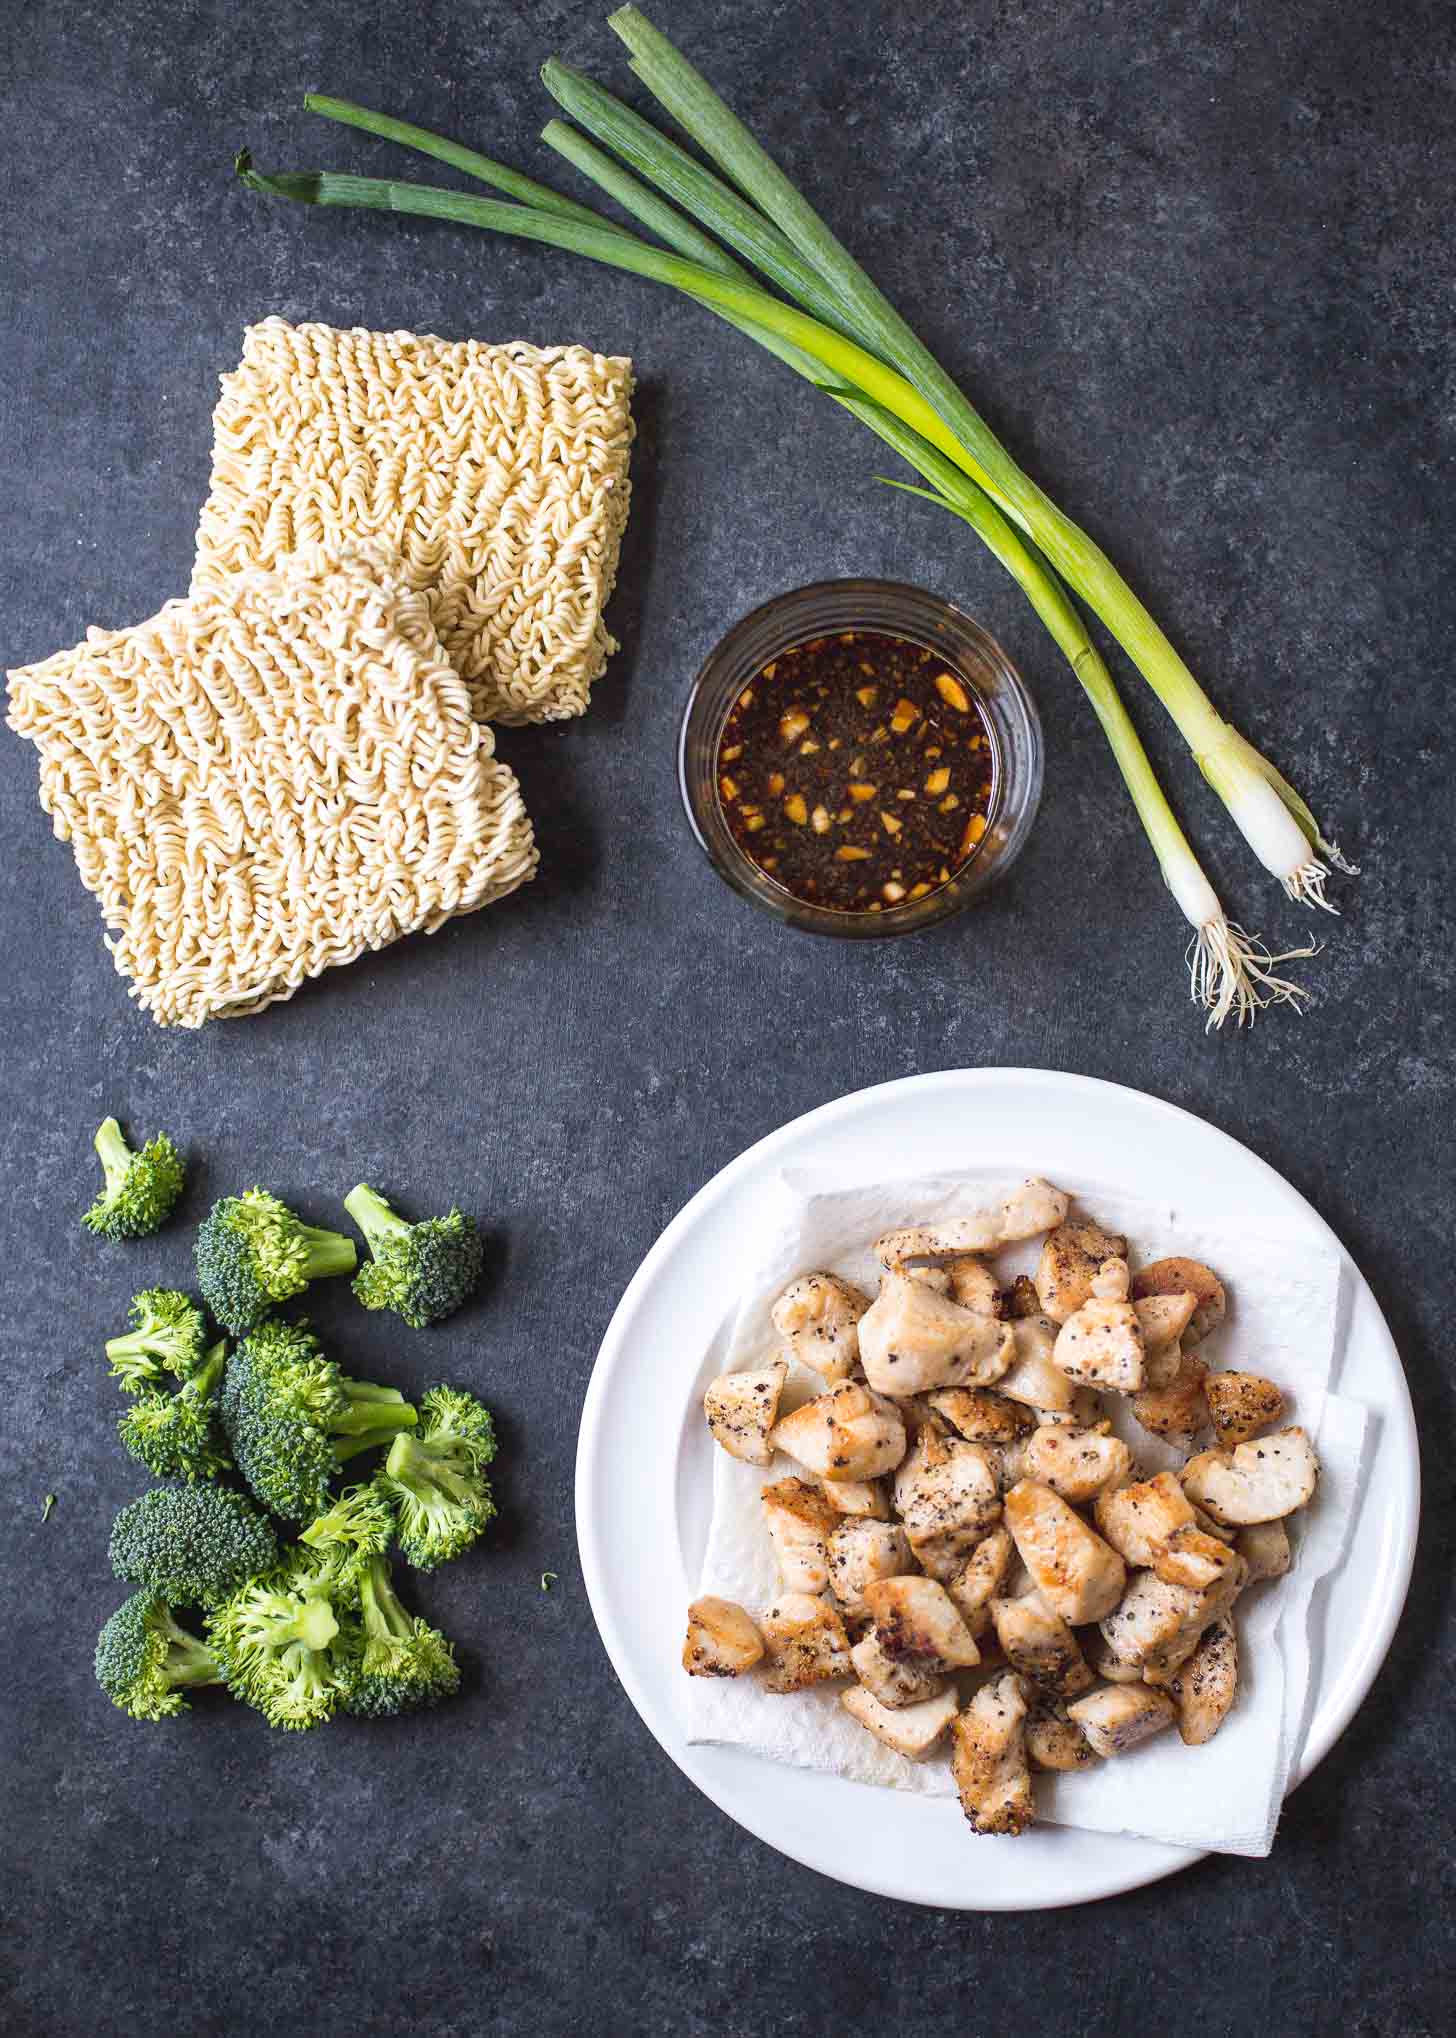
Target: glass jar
point(1012, 724)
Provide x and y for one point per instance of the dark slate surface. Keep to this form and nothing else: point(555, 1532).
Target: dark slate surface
point(1198, 261)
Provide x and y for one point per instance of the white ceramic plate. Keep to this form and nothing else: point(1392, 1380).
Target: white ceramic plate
point(643, 1473)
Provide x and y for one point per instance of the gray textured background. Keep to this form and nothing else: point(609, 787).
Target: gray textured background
point(1196, 260)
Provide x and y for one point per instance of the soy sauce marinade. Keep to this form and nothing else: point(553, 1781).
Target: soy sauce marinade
point(855, 770)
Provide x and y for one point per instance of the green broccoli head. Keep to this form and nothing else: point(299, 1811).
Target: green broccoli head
point(176, 1436)
point(252, 1253)
point(404, 1662)
point(168, 1335)
point(436, 1478)
point(141, 1188)
point(292, 1418)
point(145, 1661)
point(281, 1646)
point(420, 1271)
point(191, 1545)
point(359, 1524)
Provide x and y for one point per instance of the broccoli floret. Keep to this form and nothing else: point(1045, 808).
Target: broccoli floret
point(252, 1252)
point(405, 1662)
point(169, 1335)
point(359, 1524)
point(145, 1661)
point(281, 1646)
point(436, 1477)
point(176, 1435)
point(421, 1271)
point(141, 1188)
point(292, 1418)
point(191, 1545)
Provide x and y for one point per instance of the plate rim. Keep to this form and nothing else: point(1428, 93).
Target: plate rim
point(1400, 1418)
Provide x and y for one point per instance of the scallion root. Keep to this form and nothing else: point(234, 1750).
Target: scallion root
point(1306, 885)
point(1231, 973)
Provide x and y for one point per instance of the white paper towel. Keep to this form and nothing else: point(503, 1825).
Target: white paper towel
point(1285, 1320)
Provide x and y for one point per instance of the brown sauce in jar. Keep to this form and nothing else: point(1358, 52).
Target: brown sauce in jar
point(855, 771)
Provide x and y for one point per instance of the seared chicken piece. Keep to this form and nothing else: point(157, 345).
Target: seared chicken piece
point(1241, 1404)
point(1178, 1411)
point(1262, 1480)
point(722, 1640)
point(1032, 1207)
point(1077, 1574)
point(1077, 1463)
point(1138, 1520)
point(1008, 1461)
point(973, 1285)
point(800, 1522)
point(893, 1682)
point(1163, 1320)
point(947, 1495)
point(1118, 1717)
point(988, 1759)
point(912, 1339)
point(1204, 1688)
point(1069, 1263)
point(1177, 1277)
point(1105, 1663)
point(1033, 1377)
point(1040, 1645)
point(1053, 1739)
point(818, 1316)
point(1264, 1547)
point(1157, 1625)
point(859, 1497)
point(913, 1731)
point(1022, 1299)
point(806, 1643)
point(1199, 1561)
point(1204, 1520)
point(1084, 1413)
point(742, 1408)
point(1101, 1345)
point(979, 1579)
point(1112, 1281)
point(916, 1620)
point(848, 1433)
point(980, 1414)
point(862, 1551)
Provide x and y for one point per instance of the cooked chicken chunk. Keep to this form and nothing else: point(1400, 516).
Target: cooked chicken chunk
point(1077, 1463)
point(894, 1682)
point(980, 1414)
point(1077, 1574)
point(1241, 1404)
point(1068, 1266)
point(1262, 1480)
point(1264, 1547)
point(722, 1641)
point(1138, 1520)
point(988, 1759)
point(916, 1619)
point(1204, 1520)
point(1112, 1281)
point(1101, 1345)
point(1162, 1320)
point(1040, 1645)
point(1177, 1277)
point(1032, 1207)
point(1033, 1377)
point(972, 1284)
point(1157, 1625)
point(848, 1433)
point(1053, 1738)
point(862, 1551)
point(1008, 1461)
point(1104, 1662)
point(800, 1522)
point(1199, 1561)
point(859, 1497)
point(818, 1318)
point(912, 1339)
point(1178, 1411)
point(913, 1731)
point(947, 1494)
point(1084, 1413)
point(1205, 1687)
point(806, 1643)
point(979, 1579)
point(742, 1408)
point(1022, 1299)
point(1119, 1716)
point(1035, 1206)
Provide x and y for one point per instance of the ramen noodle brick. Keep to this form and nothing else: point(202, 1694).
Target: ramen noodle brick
point(269, 780)
point(498, 474)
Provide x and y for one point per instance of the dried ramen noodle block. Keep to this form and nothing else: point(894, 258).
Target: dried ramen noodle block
point(268, 781)
point(497, 473)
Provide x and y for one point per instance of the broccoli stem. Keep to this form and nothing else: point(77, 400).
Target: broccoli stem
point(384, 1616)
point(135, 1345)
point(189, 1661)
point(114, 1153)
point(329, 1252)
point(379, 1224)
point(374, 1411)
